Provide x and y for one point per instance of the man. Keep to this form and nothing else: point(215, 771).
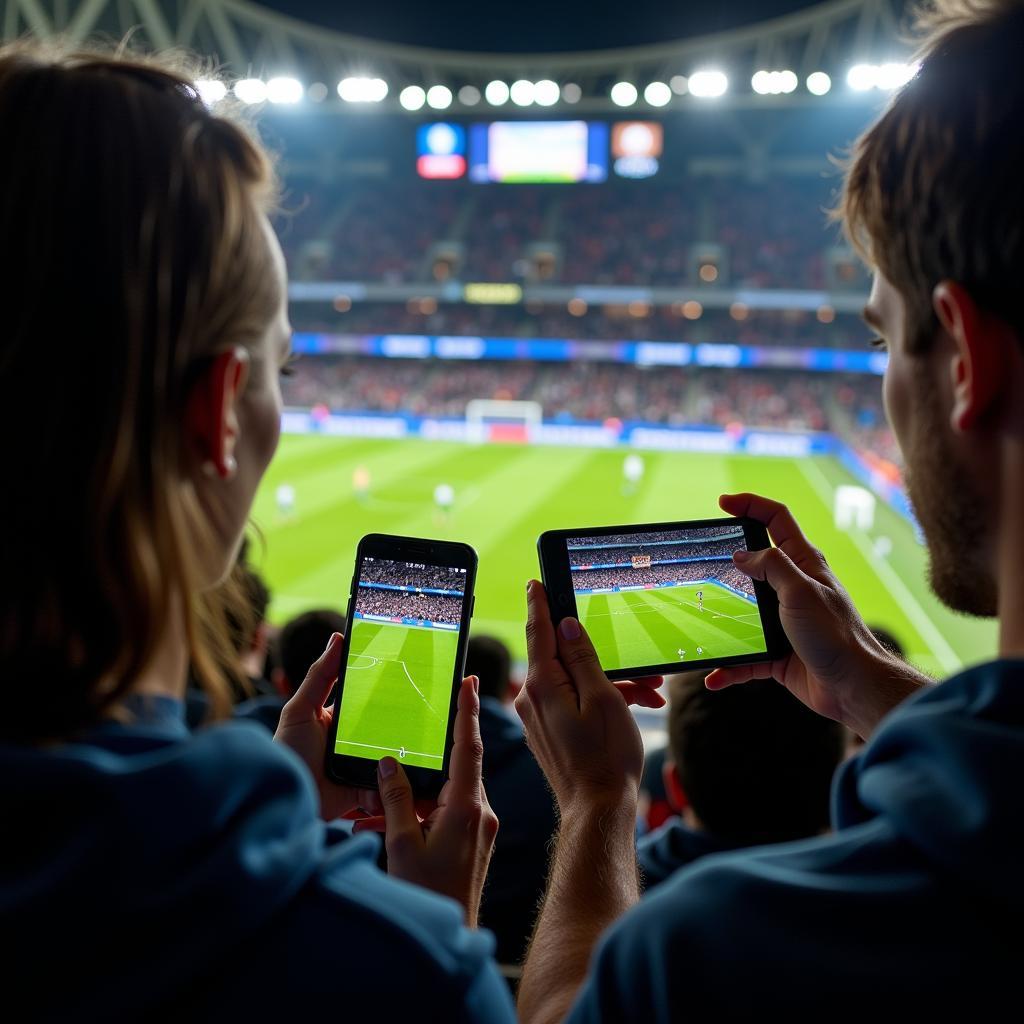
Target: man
point(746, 766)
point(522, 801)
point(912, 906)
point(700, 600)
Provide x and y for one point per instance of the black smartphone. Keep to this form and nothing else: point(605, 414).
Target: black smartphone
point(402, 660)
point(664, 597)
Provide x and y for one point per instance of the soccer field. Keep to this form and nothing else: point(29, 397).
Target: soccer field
point(652, 627)
point(505, 496)
point(407, 670)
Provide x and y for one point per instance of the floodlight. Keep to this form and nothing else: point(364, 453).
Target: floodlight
point(412, 97)
point(571, 93)
point(211, 90)
point(545, 93)
point(657, 94)
point(251, 90)
point(496, 93)
point(439, 97)
point(523, 92)
point(469, 95)
point(708, 84)
point(284, 90)
point(818, 83)
point(624, 94)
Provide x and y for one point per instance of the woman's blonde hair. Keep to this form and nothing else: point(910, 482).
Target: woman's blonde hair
point(131, 221)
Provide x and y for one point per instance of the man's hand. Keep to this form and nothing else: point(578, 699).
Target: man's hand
point(449, 849)
point(836, 667)
point(304, 726)
point(577, 721)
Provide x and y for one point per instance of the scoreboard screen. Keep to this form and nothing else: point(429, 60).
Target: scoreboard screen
point(525, 152)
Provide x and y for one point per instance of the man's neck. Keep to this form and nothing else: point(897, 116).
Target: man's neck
point(1010, 550)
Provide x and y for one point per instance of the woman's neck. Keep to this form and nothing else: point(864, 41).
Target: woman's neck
point(167, 672)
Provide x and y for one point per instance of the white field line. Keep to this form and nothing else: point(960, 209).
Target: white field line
point(397, 750)
point(928, 631)
point(418, 690)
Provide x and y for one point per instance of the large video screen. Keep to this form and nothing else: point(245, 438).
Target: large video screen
point(534, 152)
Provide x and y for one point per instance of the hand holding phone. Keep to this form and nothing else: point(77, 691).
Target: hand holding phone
point(402, 661)
point(448, 850)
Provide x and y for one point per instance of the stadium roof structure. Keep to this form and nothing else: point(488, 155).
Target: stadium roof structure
point(787, 61)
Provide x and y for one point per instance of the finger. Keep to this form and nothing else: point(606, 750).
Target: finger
point(776, 568)
point(541, 647)
point(720, 678)
point(577, 654)
point(651, 682)
point(401, 824)
point(782, 526)
point(323, 674)
point(467, 760)
point(641, 696)
point(369, 801)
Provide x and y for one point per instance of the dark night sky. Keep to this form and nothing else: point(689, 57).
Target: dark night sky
point(532, 26)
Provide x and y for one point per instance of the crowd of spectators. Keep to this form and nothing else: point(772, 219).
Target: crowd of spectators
point(688, 538)
point(848, 404)
point(657, 555)
point(399, 574)
point(760, 235)
point(681, 572)
point(404, 604)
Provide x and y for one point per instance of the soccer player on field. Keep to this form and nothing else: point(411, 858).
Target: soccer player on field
point(700, 600)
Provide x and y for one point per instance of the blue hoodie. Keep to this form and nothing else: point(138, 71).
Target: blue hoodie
point(914, 905)
point(148, 873)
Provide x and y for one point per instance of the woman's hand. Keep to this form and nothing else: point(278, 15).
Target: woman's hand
point(305, 725)
point(445, 847)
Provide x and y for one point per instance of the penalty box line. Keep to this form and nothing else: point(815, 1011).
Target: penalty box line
point(401, 751)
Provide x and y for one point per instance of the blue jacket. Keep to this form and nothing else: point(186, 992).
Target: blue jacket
point(148, 873)
point(914, 905)
point(671, 847)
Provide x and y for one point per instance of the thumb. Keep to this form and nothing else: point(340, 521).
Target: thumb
point(323, 673)
point(577, 654)
point(402, 828)
point(775, 567)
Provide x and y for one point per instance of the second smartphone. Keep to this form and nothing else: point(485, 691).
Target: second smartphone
point(664, 597)
point(402, 661)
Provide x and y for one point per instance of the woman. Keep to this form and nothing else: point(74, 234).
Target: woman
point(147, 872)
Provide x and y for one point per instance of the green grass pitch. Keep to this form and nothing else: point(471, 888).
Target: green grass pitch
point(397, 693)
point(505, 496)
point(651, 627)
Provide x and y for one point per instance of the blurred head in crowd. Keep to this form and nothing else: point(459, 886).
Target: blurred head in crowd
point(248, 623)
point(753, 768)
point(934, 201)
point(489, 660)
point(301, 642)
point(149, 295)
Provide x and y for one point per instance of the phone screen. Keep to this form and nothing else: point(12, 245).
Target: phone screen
point(397, 690)
point(664, 596)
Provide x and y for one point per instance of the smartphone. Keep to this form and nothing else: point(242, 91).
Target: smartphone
point(402, 660)
point(664, 597)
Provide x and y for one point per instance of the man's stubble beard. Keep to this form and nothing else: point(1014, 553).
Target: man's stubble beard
point(951, 513)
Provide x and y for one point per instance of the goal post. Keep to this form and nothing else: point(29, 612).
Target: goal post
point(501, 421)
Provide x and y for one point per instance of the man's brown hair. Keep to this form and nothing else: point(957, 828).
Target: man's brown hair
point(935, 188)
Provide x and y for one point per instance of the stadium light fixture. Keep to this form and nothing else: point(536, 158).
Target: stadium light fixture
point(469, 95)
point(317, 92)
point(545, 93)
point(657, 94)
point(412, 97)
point(211, 90)
point(818, 83)
point(571, 92)
point(284, 90)
point(362, 90)
point(679, 84)
point(439, 97)
point(523, 92)
point(250, 90)
point(863, 77)
point(774, 83)
point(708, 84)
point(624, 94)
point(496, 93)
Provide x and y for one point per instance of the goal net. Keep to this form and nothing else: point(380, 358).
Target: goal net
point(502, 422)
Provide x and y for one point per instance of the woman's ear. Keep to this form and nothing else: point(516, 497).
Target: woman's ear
point(211, 412)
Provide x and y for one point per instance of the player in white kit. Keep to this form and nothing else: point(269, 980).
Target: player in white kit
point(285, 500)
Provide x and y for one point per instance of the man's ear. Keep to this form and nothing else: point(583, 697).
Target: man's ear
point(674, 787)
point(212, 411)
point(280, 683)
point(978, 368)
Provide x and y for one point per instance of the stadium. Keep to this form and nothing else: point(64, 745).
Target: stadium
point(667, 284)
